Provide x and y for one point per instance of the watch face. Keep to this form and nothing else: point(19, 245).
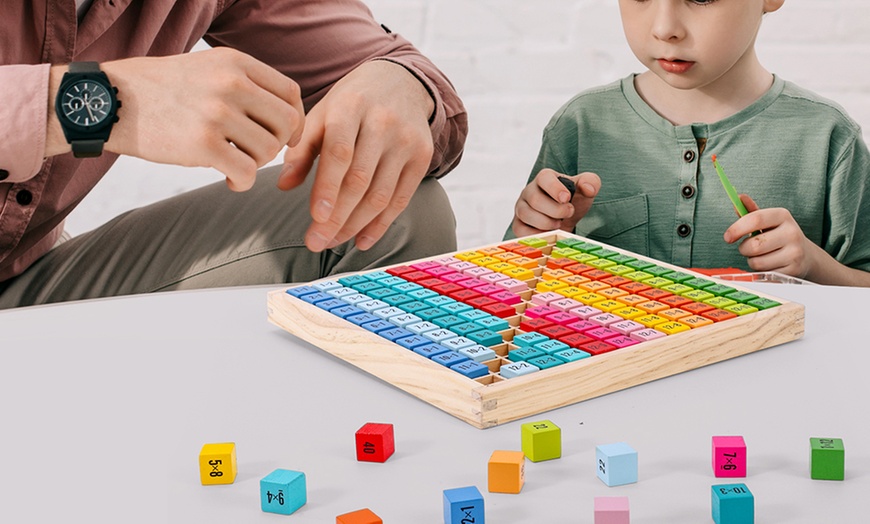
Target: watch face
point(86, 103)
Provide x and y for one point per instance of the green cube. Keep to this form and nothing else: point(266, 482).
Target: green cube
point(542, 440)
point(827, 459)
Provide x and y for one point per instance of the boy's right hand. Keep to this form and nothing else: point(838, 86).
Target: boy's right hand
point(545, 205)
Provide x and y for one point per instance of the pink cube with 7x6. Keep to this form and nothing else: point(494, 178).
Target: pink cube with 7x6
point(729, 456)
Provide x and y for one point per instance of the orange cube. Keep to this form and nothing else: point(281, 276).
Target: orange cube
point(362, 516)
point(506, 471)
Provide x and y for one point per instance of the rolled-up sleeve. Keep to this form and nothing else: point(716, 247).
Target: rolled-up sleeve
point(316, 43)
point(24, 89)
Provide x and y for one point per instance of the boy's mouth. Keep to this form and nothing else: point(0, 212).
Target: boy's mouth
point(675, 65)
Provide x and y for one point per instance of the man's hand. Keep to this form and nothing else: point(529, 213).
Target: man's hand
point(545, 204)
point(218, 108)
point(372, 134)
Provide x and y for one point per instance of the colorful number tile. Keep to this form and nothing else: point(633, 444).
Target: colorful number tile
point(375, 442)
point(471, 369)
point(283, 491)
point(545, 362)
point(525, 353)
point(611, 510)
point(430, 350)
point(478, 353)
point(463, 506)
point(541, 440)
point(360, 516)
point(827, 459)
point(506, 471)
point(732, 504)
point(616, 464)
point(571, 355)
point(449, 359)
point(528, 339)
point(729, 457)
point(517, 369)
point(217, 463)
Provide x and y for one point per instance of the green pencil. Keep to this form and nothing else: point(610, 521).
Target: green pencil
point(732, 193)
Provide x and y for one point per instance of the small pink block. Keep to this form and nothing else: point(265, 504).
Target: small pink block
point(562, 318)
point(544, 299)
point(471, 283)
point(463, 265)
point(512, 284)
point(643, 335)
point(729, 457)
point(626, 327)
point(565, 304)
point(582, 325)
point(478, 272)
point(423, 266)
point(493, 278)
point(454, 277)
point(446, 261)
point(601, 333)
point(585, 312)
point(605, 319)
point(622, 341)
point(506, 297)
point(539, 311)
point(489, 289)
point(611, 510)
point(440, 271)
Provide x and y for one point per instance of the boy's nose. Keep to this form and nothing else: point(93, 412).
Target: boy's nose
point(666, 21)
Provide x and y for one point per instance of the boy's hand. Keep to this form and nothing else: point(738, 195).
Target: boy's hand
point(545, 204)
point(371, 132)
point(781, 246)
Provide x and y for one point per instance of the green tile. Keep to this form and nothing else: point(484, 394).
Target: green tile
point(679, 277)
point(763, 303)
point(639, 265)
point(699, 283)
point(658, 271)
point(741, 296)
point(533, 242)
point(622, 259)
point(720, 290)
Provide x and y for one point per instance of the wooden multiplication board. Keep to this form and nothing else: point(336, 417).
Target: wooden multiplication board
point(491, 399)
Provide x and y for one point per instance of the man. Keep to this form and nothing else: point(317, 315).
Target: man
point(382, 123)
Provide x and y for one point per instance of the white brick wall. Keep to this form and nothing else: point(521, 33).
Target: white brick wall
point(514, 62)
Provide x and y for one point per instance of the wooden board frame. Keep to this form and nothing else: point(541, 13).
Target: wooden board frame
point(492, 401)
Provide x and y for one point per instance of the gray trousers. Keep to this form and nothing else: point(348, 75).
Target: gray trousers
point(213, 237)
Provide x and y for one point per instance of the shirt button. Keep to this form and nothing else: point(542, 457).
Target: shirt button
point(684, 230)
point(24, 197)
point(4, 174)
point(689, 156)
point(688, 191)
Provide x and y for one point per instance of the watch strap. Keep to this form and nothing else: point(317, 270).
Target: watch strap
point(84, 67)
point(87, 148)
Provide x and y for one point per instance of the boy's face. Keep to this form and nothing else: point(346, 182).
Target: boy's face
point(691, 44)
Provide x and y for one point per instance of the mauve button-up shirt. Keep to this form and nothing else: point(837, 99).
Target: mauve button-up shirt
point(314, 42)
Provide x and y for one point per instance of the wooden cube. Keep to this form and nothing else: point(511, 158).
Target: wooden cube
point(463, 506)
point(733, 504)
point(729, 457)
point(217, 463)
point(541, 440)
point(611, 510)
point(283, 491)
point(374, 442)
point(827, 459)
point(506, 471)
point(616, 464)
point(361, 516)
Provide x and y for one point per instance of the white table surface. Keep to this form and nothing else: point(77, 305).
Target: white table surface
point(106, 404)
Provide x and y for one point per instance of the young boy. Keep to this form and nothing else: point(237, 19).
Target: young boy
point(643, 147)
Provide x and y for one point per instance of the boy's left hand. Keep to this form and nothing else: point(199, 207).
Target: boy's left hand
point(777, 242)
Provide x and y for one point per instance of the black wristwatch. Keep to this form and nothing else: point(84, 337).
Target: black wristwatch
point(87, 108)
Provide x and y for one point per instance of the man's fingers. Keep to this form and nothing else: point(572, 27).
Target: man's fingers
point(238, 167)
point(408, 182)
point(336, 156)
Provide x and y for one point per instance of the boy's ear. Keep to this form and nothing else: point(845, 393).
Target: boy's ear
point(772, 5)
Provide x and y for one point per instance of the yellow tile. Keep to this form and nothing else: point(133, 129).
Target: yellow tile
point(520, 273)
point(629, 312)
point(571, 291)
point(499, 267)
point(613, 292)
point(672, 328)
point(589, 298)
point(608, 305)
point(217, 463)
point(468, 255)
point(526, 262)
point(650, 320)
point(550, 285)
point(484, 261)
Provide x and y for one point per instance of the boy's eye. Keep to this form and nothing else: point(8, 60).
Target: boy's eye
point(703, 2)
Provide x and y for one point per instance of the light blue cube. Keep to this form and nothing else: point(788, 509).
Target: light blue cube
point(463, 506)
point(733, 504)
point(283, 491)
point(616, 464)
